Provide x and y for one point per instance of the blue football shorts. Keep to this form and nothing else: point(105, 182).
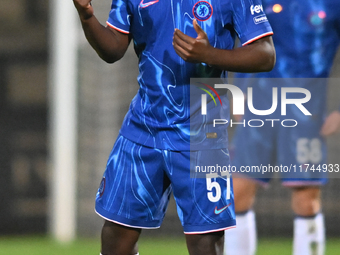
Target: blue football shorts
point(138, 181)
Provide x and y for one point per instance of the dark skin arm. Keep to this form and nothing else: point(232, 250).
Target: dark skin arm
point(109, 44)
point(258, 56)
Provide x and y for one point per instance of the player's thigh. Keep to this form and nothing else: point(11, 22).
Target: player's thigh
point(244, 193)
point(134, 190)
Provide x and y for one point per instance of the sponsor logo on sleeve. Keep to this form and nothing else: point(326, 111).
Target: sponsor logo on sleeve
point(260, 19)
point(256, 9)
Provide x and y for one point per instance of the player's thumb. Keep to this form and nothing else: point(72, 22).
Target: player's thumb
point(200, 32)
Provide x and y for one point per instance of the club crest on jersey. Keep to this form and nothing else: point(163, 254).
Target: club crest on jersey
point(202, 10)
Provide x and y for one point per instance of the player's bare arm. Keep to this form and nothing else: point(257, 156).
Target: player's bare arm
point(109, 44)
point(258, 56)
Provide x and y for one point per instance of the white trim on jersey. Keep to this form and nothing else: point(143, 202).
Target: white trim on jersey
point(257, 37)
point(118, 29)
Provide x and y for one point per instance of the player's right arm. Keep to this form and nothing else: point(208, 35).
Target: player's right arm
point(109, 43)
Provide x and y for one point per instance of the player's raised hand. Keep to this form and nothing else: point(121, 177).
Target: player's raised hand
point(84, 8)
point(192, 49)
point(331, 124)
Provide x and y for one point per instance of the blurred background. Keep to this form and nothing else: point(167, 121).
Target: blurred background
point(103, 94)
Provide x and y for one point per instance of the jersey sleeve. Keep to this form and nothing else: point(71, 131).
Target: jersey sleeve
point(250, 20)
point(119, 17)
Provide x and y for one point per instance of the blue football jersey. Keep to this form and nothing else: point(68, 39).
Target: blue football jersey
point(306, 41)
point(307, 38)
point(159, 115)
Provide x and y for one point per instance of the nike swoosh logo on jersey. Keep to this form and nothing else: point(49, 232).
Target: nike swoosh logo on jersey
point(144, 5)
point(218, 211)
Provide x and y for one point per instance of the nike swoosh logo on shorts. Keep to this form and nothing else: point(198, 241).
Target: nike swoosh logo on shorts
point(218, 211)
point(144, 5)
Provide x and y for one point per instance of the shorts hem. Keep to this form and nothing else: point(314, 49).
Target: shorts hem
point(192, 230)
point(126, 222)
point(299, 183)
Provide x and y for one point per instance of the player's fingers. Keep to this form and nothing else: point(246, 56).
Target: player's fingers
point(181, 44)
point(84, 8)
point(180, 35)
point(180, 51)
point(84, 4)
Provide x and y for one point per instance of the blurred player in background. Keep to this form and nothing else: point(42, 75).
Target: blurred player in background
point(307, 35)
point(174, 41)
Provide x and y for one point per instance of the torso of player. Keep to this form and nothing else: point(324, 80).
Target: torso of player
point(159, 115)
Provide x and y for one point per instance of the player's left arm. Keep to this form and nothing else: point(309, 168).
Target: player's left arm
point(258, 56)
point(331, 124)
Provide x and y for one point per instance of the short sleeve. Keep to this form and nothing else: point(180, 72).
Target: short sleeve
point(119, 17)
point(250, 20)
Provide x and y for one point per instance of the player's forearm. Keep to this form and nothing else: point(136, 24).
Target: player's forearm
point(110, 46)
point(256, 57)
